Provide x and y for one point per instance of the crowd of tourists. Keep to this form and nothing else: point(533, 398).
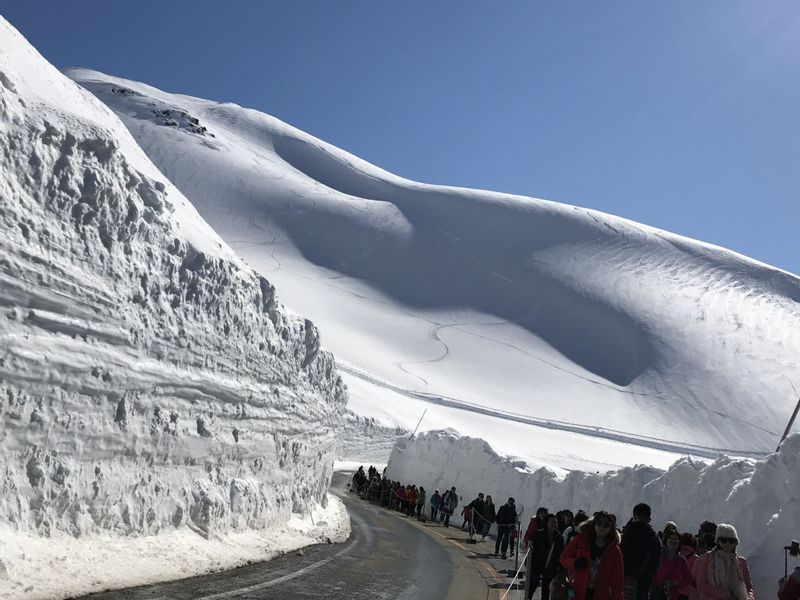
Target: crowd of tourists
point(575, 556)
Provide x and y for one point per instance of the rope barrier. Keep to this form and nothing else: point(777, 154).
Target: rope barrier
point(516, 575)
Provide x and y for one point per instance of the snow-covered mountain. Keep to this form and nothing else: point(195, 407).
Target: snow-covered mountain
point(509, 318)
point(150, 381)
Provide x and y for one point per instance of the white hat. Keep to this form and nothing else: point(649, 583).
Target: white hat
point(726, 531)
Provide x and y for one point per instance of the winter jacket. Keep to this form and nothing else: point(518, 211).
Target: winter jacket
point(673, 569)
point(411, 496)
point(489, 513)
point(610, 569)
point(641, 552)
point(436, 500)
point(691, 557)
point(477, 506)
point(449, 501)
point(506, 515)
point(546, 553)
point(421, 497)
point(535, 527)
point(791, 588)
point(706, 589)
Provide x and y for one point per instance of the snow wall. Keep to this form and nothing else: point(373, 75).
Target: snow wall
point(761, 498)
point(149, 380)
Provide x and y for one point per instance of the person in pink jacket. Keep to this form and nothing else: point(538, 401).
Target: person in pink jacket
point(673, 570)
point(721, 573)
point(689, 552)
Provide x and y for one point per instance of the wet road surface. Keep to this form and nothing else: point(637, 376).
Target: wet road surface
point(388, 556)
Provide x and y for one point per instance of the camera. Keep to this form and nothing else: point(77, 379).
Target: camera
point(794, 548)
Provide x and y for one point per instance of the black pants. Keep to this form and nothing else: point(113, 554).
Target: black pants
point(536, 578)
point(433, 513)
point(503, 537)
point(447, 515)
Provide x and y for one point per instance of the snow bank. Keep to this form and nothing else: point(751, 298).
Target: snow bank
point(74, 567)
point(150, 382)
point(760, 497)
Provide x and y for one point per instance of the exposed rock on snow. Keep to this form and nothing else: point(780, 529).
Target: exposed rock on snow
point(149, 380)
point(760, 497)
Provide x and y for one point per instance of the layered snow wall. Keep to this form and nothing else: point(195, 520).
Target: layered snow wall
point(149, 380)
point(760, 497)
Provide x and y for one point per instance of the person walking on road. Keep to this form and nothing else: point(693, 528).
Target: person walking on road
point(449, 504)
point(721, 573)
point(673, 570)
point(489, 515)
point(594, 560)
point(436, 504)
point(536, 526)
point(544, 558)
point(506, 520)
point(641, 552)
point(421, 503)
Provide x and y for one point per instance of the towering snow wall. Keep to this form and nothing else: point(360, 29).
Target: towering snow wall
point(149, 380)
point(760, 497)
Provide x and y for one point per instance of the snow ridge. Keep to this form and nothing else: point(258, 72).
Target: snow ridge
point(150, 381)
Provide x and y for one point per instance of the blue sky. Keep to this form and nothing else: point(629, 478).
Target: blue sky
point(682, 114)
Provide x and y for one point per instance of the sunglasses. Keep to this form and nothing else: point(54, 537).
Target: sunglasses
point(724, 540)
point(604, 523)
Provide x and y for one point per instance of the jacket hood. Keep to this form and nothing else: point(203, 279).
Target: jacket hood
point(586, 527)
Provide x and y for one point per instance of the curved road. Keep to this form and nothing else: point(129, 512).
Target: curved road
point(388, 556)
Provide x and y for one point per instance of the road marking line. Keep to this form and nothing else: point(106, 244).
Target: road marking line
point(283, 578)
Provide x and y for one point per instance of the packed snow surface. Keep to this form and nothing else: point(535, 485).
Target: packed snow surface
point(760, 497)
point(505, 317)
point(153, 391)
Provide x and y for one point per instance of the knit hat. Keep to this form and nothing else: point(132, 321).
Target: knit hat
point(726, 531)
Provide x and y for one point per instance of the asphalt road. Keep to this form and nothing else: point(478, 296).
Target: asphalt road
point(388, 556)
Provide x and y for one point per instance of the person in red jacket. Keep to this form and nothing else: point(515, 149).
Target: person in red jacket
point(536, 526)
point(673, 570)
point(790, 589)
point(594, 560)
point(411, 500)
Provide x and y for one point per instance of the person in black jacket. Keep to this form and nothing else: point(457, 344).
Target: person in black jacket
point(489, 516)
point(544, 559)
point(641, 553)
point(506, 519)
point(477, 507)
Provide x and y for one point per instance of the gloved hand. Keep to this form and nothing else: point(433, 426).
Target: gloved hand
point(581, 563)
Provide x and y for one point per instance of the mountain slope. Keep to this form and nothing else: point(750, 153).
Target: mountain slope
point(525, 310)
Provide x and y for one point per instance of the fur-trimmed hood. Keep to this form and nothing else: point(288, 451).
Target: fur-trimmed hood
point(588, 524)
